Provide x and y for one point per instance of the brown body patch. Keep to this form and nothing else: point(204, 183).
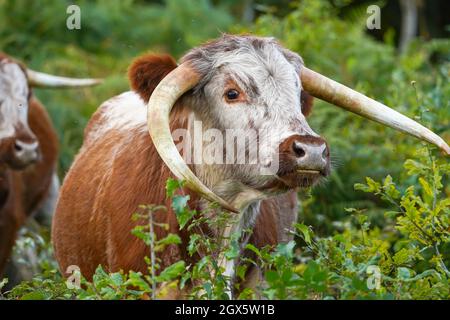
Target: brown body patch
point(93, 222)
point(117, 172)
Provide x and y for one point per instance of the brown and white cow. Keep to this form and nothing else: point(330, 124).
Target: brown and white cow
point(242, 83)
point(28, 148)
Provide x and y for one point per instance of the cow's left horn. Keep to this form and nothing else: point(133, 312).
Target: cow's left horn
point(333, 92)
point(44, 80)
point(173, 86)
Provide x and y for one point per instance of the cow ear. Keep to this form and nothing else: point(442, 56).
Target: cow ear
point(307, 101)
point(147, 71)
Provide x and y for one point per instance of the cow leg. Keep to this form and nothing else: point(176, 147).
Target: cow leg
point(9, 226)
point(254, 279)
point(44, 214)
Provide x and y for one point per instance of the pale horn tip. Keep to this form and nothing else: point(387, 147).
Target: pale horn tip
point(446, 149)
point(44, 80)
point(443, 146)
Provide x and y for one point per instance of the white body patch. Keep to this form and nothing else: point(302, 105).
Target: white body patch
point(126, 111)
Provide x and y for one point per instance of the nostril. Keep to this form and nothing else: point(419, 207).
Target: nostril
point(17, 147)
point(298, 150)
point(325, 153)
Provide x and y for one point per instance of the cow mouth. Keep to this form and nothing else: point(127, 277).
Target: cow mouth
point(18, 164)
point(306, 171)
point(301, 178)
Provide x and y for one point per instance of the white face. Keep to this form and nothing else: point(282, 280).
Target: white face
point(13, 99)
point(252, 91)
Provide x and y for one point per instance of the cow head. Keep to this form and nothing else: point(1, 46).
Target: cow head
point(19, 146)
point(255, 87)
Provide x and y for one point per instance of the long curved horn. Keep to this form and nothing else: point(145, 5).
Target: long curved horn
point(351, 100)
point(173, 86)
point(44, 80)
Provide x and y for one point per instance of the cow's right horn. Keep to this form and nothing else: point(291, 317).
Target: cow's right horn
point(44, 80)
point(173, 86)
point(333, 92)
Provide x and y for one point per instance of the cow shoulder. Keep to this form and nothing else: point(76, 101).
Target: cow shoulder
point(128, 111)
point(123, 113)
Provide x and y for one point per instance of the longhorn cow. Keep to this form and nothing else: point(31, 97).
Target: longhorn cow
point(28, 148)
point(242, 83)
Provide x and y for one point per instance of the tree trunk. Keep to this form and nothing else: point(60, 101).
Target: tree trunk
point(409, 10)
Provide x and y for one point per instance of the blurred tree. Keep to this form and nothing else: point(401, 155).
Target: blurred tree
point(409, 9)
point(112, 33)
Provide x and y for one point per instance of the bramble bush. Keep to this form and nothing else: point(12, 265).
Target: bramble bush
point(405, 259)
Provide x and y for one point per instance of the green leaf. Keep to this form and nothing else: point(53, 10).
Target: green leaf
point(401, 257)
point(414, 168)
point(373, 185)
point(36, 295)
point(426, 187)
point(193, 242)
point(117, 279)
point(403, 273)
point(208, 288)
point(183, 214)
point(169, 239)
point(187, 276)
point(251, 247)
point(361, 187)
point(315, 277)
point(135, 279)
point(179, 203)
point(142, 233)
point(241, 271)
point(171, 186)
point(271, 276)
point(390, 189)
point(233, 249)
point(305, 230)
point(184, 217)
point(171, 272)
point(285, 249)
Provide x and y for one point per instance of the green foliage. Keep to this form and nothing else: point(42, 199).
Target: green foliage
point(406, 259)
point(409, 255)
point(112, 33)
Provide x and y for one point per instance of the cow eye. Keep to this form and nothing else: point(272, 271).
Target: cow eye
point(232, 94)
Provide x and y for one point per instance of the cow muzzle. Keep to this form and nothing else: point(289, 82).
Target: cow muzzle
point(22, 152)
point(26, 153)
point(303, 160)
